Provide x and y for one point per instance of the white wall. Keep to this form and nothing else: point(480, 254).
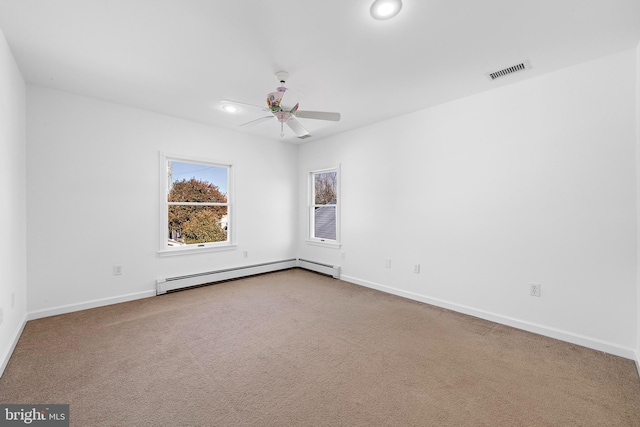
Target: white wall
point(93, 199)
point(534, 182)
point(13, 252)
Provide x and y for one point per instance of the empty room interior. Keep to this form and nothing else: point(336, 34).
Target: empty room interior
point(405, 212)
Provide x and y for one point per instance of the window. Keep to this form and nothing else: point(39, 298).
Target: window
point(324, 209)
point(196, 205)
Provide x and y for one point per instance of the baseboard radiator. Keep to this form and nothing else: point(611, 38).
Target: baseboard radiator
point(329, 270)
point(174, 283)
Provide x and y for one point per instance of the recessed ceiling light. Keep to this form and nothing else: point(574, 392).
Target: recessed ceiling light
point(229, 108)
point(385, 9)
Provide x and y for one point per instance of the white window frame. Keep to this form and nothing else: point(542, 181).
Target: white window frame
point(311, 239)
point(164, 248)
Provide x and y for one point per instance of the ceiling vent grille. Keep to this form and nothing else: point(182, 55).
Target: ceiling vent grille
point(305, 136)
point(525, 65)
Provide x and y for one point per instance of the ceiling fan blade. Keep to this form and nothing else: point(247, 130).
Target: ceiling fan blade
point(243, 104)
point(256, 121)
point(318, 115)
point(289, 100)
point(297, 128)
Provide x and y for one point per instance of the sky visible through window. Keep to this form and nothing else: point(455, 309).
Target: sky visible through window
point(216, 175)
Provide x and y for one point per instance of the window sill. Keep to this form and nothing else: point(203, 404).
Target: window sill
point(334, 245)
point(196, 250)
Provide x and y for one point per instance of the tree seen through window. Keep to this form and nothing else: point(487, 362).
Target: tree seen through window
point(198, 208)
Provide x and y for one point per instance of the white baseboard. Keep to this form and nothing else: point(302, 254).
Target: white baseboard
point(585, 341)
point(638, 361)
point(64, 309)
point(14, 341)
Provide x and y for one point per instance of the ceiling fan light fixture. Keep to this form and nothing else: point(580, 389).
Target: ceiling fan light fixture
point(385, 9)
point(274, 99)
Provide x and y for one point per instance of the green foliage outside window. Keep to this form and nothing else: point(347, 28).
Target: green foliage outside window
point(189, 224)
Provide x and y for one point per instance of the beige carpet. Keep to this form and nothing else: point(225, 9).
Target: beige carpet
point(294, 348)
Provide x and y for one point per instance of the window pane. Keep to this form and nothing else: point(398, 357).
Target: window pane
point(193, 182)
point(325, 222)
point(326, 188)
point(190, 225)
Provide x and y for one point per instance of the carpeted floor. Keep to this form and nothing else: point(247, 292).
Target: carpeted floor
point(295, 348)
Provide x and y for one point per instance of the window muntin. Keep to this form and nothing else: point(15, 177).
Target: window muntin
point(196, 207)
point(324, 207)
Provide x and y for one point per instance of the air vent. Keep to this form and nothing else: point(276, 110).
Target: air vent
point(305, 136)
point(525, 65)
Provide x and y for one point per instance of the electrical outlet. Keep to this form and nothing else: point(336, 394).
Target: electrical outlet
point(534, 289)
point(245, 254)
point(343, 255)
point(117, 270)
point(387, 263)
point(416, 268)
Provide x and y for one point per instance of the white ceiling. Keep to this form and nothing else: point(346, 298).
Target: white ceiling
point(181, 57)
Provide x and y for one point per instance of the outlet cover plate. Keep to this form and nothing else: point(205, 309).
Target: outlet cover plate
point(534, 289)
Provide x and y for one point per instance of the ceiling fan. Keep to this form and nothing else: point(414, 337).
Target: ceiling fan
point(283, 106)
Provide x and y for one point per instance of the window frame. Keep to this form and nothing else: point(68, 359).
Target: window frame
point(311, 206)
point(163, 248)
